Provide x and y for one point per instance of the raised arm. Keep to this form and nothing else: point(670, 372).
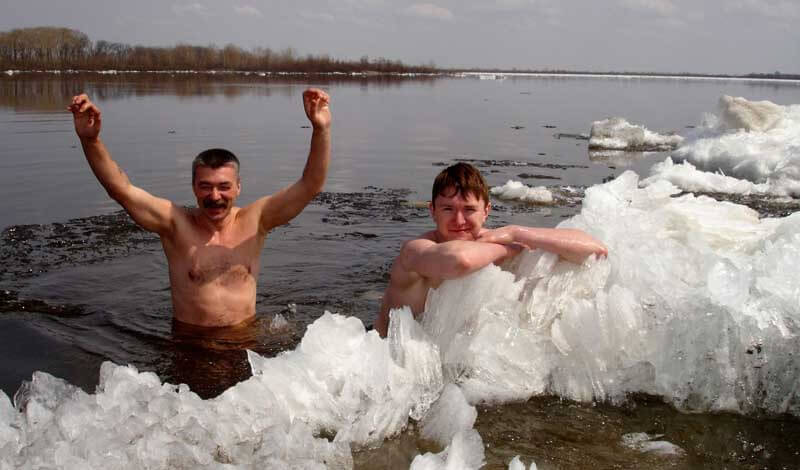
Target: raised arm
point(453, 259)
point(284, 205)
point(571, 244)
point(151, 213)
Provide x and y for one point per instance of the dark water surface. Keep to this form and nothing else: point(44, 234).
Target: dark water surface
point(81, 284)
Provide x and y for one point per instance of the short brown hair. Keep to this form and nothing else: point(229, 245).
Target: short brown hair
point(464, 179)
point(214, 158)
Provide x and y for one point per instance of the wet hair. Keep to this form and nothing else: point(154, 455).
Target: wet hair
point(214, 158)
point(464, 179)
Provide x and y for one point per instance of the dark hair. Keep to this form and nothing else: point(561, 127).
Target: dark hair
point(464, 179)
point(214, 158)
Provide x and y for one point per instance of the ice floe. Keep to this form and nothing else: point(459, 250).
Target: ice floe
point(757, 141)
point(746, 147)
point(515, 190)
point(644, 442)
point(618, 134)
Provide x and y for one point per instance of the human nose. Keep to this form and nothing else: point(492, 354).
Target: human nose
point(460, 218)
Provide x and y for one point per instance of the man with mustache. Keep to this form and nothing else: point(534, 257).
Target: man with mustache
point(460, 245)
point(213, 251)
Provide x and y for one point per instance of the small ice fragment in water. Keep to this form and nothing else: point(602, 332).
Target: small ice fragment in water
point(516, 464)
point(465, 452)
point(278, 323)
point(449, 414)
point(644, 442)
point(515, 190)
point(618, 134)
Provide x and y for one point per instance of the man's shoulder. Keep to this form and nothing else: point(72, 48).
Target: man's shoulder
point(426, 239)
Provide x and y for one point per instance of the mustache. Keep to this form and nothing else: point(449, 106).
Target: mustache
point(209, 203)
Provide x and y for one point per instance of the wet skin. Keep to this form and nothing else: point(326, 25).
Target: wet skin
point(213, 251)
point(460, 245)
point(448, 252)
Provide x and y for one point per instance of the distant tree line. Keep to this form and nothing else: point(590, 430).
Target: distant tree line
point(775, 75)
point(50, 48)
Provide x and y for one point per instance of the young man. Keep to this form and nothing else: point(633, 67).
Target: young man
point(213, 251)
point(460, 245)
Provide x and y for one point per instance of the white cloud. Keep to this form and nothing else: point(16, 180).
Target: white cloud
point(430, 11)
point(661, 7)
point(523, 13)
point(509, 5)
point(191, 9)
point(317, 16)
point(783, 9)
point(248, 10)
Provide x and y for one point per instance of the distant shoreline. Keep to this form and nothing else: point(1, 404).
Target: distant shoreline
point(62, 50)
point(444, 73)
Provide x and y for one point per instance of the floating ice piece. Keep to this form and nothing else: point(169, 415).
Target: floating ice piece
point(618, 134)
point(450, 414)
point(645, 443)
point(278, 323)
point(465, 452)
point(514, 190)
point(757, 116)
point(687, 177)
point(490, 76)
point(516, 464)
point(9, 433)
point(756, 141)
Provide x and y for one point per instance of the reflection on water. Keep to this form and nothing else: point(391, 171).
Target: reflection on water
point(46, 92)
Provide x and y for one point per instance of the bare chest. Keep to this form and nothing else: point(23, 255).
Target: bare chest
point(220, 264)
point(225, 261)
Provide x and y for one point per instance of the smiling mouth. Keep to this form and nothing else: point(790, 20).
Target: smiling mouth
point(462, 233)
point(214, 205)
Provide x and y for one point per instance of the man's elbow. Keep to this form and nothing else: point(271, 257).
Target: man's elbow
point(316, 190)
point(312, 186)
point(118, 195)
point(460, 265)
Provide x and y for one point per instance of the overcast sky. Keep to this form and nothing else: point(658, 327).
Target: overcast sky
point(703, 36)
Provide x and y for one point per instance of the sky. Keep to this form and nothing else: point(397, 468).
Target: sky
point(696, 36)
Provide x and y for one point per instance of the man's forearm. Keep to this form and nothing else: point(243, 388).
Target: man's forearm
point(319, 157)
point(570, 244)
point(105, 169)
point(453, 259)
